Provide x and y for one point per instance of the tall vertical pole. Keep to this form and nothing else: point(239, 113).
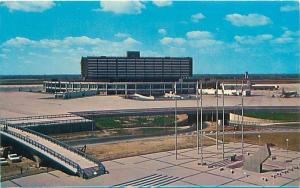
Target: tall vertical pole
point(242, 118)
point(223, 120)
point(201, 121)
point(287, 145)
point(197, 97)
point(175, 121)
point(217, 115)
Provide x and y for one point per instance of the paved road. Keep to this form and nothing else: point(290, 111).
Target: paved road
point(156, 111)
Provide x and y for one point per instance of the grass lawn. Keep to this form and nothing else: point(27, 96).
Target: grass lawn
point(108, 123)
point(163, 120)
point(110, 151)
point(134, 121)
point(279, 116)
point(278, 139)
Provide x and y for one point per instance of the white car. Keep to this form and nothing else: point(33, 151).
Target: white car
point(14, 157)
point(3, 161)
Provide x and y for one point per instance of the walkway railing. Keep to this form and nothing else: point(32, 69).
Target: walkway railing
point(40, 117)
point(46, 149)
point(62, 144)
point(259, 125)
point(234, 122)
point(29, 124)
point(86, 173)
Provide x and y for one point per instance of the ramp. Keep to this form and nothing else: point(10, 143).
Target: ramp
point(71, 159)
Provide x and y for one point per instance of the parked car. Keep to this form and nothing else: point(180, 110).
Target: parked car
point(14, 157)
point(3, 161)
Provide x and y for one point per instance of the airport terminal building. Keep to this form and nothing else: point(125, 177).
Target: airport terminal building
point(134, 68)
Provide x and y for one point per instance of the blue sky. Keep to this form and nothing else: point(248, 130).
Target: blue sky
point(222, 37)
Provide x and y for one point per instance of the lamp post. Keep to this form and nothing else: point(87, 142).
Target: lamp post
point(217, 114)
point(287, 145)
point(223, 128)
point(234, 137)
point(197, 97)
point(201, 114)
point(175, 122)
point(237, 121)
point(242, 119)
point(258, 136)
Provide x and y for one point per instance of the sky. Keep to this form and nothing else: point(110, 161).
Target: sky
point(50, 37)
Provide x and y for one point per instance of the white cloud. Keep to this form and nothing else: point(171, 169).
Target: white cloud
point(28, 6)
point(288, 8)
point(287, 37)
point(204, 43)
point(81, 42)
point(197, 17)
point(283, 40)
point(198, 34)
point(248, 20)
point(172, 41)
point(18, 41)
point(122, 35)
point(202, 40)
point(162, 31)
point(131, 41)
point(253, 39)
point(162, 3)
point(122, 6)
point(45, 54)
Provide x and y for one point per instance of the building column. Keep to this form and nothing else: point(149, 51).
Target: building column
point(106, 89)
point(181, 87)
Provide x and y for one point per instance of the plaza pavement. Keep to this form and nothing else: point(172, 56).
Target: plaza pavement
point(163, 169)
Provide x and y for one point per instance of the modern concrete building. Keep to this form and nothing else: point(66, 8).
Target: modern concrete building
point(133, 67)
point(122, 88)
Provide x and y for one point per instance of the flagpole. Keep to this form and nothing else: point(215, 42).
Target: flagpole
point(175, 121)
point(223, 129)
point(242, 119)
point(201, 121)
point(197, 97)
point(217, 115)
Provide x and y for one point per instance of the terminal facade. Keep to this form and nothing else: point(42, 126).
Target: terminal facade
point(134, 68)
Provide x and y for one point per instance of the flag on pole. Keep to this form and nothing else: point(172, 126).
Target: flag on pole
point(197, 88)
point(223, 88)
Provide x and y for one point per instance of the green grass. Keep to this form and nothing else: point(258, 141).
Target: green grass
point(278, 139)
point(108, 123)
point(143, 131)
point(140, 120)
point(279, 116)
point(163, 120)
point(133, 121)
